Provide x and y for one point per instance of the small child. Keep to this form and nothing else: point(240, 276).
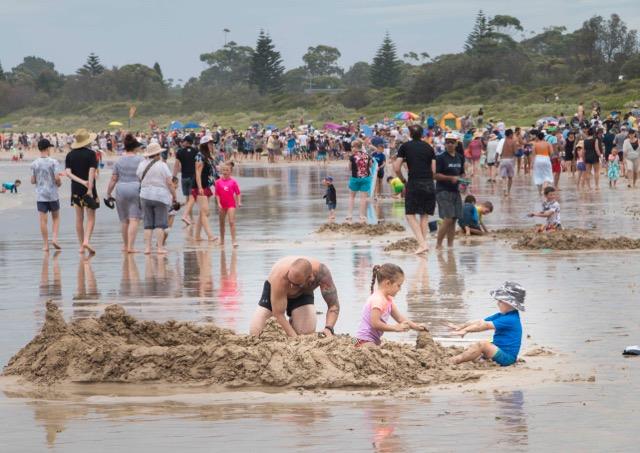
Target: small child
point(580, 165)
point(470, 219)
point(505, 346)
point(613, 172)
point(550, 211)
point(12, 187)
point(397, 187)
point(229, 198)
point(173, 210)
point(330, 198)
point(380, 307)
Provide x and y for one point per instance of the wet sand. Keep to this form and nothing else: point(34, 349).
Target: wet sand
point(577, 307)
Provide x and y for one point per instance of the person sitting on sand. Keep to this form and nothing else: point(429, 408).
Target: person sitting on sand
point(505, 346)
point(289, 290)
point(472, 216)
point(380, 306)
point(397, 187)
point(550, 211)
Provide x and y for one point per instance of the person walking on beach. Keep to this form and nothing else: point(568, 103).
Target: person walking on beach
point(46, 176)
point(420, 199)
point(229, 199)
point(81, 165)
point(449, 170)
point(186, 164)
point(507, 163)
point(127, 186)
point(156, 195)
point(360, 164)
point(204, 190)
point(631, 151)
point(288, 291)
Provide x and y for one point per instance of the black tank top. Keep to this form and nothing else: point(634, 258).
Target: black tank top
point(590, 149)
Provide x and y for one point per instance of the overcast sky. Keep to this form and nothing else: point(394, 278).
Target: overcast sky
point(175, 33)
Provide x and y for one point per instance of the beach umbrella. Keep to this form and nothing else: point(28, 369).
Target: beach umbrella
point(191, 125)
point(406, 116)
point(271, 127)
point(175, 125)
point(367, 130)
point(115, 123)
point(332, 126)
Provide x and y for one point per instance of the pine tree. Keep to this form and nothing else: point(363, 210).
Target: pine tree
point(266, 66)
point(482, 30)
point(156, 67)
point(2, 74)
point(92, 67)
point(385, 69)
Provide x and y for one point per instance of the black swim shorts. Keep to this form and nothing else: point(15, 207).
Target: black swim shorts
point(292, 304)
point(419, 197)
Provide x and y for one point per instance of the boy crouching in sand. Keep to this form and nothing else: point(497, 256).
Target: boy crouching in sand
point(550, 211)
point(508, 329)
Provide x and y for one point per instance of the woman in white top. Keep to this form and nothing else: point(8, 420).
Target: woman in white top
point(156, 195)
point(631, 151)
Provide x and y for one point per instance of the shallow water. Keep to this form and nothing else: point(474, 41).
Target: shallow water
point(581, 305)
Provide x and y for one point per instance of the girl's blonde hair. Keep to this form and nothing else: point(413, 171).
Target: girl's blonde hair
point(384, 272)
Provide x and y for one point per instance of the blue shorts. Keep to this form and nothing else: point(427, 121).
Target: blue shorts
point(360, 184)
point(503, 359)
point(48, 206)
point(331, 206)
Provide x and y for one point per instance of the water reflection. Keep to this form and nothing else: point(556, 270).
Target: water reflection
point(50, 289)
point(130, 282)
point(419, 294)
point(87, 295)
point(382, 419)
point(512, 418)
point(228, 294)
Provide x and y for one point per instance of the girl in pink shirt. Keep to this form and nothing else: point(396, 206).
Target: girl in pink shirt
point(380, 307)
point(229, 198)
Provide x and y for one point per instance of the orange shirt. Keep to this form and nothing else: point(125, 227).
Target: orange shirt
point(542, 148)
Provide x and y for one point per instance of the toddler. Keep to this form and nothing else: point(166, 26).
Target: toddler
point(229, 198)
point(550, 211)
point(397, 187)
point(11, 186)
point(613, 172)
point(380, 307)
point(505, 346)
point(330, 198)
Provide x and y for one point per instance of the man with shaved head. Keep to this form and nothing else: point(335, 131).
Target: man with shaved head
point(288, 291)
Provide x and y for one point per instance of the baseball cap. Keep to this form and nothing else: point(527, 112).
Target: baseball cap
point(44, 144)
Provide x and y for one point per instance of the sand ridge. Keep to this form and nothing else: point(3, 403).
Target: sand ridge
point(365, 229)
point(119, 348)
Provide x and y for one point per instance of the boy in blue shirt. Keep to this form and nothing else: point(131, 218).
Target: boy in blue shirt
point(507, 338)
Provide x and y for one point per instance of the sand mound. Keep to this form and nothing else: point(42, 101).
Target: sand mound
point(570, 240)
point(518, 233)
point(118, 348)
point(361, 228)
point(403, 245)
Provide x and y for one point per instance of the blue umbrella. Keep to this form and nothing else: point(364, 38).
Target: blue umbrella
point(192, 125)
point(271, 126)
point(175, 125)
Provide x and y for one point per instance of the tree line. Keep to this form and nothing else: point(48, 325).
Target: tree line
point(498, 53)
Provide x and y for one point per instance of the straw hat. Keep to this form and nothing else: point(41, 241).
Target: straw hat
point(82, 138)
point(478, 134)
point(153, 149)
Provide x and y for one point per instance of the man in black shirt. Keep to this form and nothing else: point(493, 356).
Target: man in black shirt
point(420, 199)
point(81, 164)
point(186, 164)
point(449, 169)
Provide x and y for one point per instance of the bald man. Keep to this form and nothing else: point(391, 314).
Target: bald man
point(288, 291)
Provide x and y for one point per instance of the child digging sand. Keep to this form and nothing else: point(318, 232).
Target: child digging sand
point(472, 216)
point(550, 211)
point(229, 198)
point(380, 307)
point(505, 346)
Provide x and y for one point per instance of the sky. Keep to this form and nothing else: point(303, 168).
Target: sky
point(175, 33)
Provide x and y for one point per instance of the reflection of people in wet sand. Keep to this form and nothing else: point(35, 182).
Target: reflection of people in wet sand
point(50, 290)
point(229, 290)
point(380, 306)
point(508, 329)
point(130, 283)
point(289, 290)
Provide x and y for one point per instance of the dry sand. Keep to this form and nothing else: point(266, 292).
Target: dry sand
point(361, 228)
point(118, 348)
